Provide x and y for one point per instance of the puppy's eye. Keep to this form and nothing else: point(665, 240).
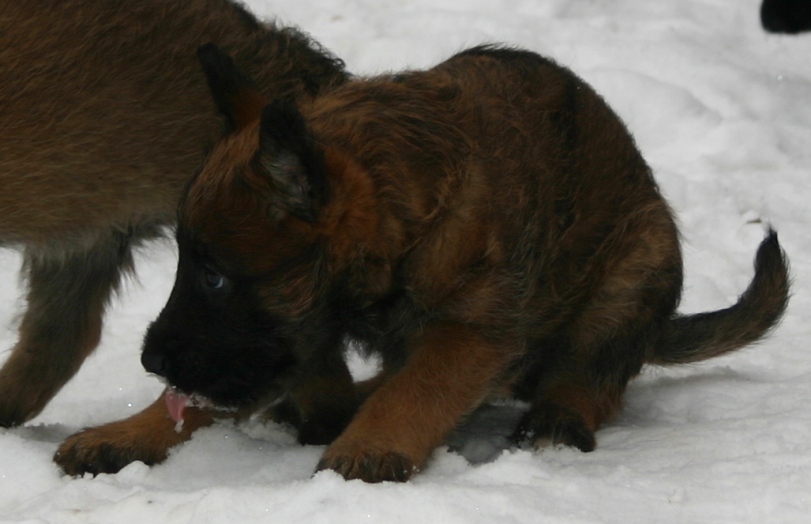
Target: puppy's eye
point(213, 279)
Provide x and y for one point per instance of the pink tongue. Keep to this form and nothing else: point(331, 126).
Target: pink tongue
point(176, 403)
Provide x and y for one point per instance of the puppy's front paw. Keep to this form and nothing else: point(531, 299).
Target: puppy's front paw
point(357, 462)
point(97, 451)
point(319, 427)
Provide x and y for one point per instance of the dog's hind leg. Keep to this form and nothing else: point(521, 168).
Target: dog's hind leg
point(67, 294)
point(573, 400)
point(583, 378)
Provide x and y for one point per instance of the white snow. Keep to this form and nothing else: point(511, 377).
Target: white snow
point(721, 110)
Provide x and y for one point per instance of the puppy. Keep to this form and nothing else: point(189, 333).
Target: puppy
point(105, 116)
point(487, 226)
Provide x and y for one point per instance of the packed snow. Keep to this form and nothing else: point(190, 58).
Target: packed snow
point(722, 112)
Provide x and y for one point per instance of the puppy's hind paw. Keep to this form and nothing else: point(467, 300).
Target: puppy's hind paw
point(556, 425)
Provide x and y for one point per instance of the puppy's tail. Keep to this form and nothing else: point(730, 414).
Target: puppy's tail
point(693, 338)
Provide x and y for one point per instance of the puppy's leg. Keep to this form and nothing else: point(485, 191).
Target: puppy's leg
point(321, 405)
point(146, 436)
point(583, 387)
point(450, 371)
point(62, 325)
point(365, 388)
point(603, 348)
point(570, 408)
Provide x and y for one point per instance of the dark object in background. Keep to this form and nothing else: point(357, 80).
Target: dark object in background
point(786, 16)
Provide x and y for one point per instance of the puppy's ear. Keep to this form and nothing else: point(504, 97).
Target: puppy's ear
point(234, 92)
point(291, 161)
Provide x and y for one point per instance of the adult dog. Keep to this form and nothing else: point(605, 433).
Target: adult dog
point(104, 116)
point(487, 226)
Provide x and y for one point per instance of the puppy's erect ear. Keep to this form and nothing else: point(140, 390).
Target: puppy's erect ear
point(234, 92)
point(290, 159)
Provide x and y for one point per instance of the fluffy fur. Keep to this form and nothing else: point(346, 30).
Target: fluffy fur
point(487, 226)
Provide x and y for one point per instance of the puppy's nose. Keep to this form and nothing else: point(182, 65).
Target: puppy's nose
point(154, 362)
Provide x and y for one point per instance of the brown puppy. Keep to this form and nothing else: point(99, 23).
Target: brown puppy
point(104, 116)
point(487, 226)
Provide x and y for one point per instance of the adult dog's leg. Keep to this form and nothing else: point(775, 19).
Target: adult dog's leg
point(62, 324)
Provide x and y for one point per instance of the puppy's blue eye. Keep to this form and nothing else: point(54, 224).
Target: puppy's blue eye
point(214, 280)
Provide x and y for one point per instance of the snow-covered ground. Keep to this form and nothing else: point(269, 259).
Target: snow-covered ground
point(721, 110)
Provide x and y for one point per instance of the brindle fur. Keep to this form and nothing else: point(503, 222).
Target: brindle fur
point(487, 226)
point(104, 116)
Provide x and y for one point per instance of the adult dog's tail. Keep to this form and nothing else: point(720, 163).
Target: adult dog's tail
point(692, 338)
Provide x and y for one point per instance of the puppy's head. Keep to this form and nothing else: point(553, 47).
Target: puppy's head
point(248, 302)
